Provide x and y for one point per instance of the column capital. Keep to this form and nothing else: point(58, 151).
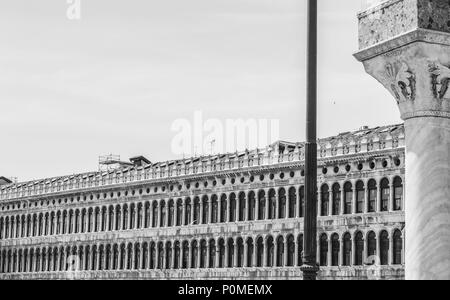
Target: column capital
point(405, 45)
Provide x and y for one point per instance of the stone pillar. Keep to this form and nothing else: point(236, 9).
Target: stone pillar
point(405, 45)
point(342, 198)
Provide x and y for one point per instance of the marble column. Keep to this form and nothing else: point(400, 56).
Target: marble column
point(406, 47)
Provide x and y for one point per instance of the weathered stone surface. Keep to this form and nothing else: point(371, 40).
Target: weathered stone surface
point(392, 18)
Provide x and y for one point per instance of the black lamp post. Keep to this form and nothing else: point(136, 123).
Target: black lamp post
point(310, 267)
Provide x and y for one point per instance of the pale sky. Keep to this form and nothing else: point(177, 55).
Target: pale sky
point(115, 81)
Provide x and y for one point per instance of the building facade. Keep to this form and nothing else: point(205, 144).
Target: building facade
point(231, 216)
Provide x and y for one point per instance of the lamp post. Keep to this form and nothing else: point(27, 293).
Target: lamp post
point(310, 267)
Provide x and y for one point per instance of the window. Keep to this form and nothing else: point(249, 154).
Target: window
point(359, 249)
point(384, 245)
point(302, 202)
point(348, 198)
point(335, 248)
point(282, 203)
point(262, 205)
point(325, 200)
point(372, 186)
point(398, 193)
point(360, 195)
point(385, 195)
point(336, 199)
point(323, 250)
point(371, 244)
point(292, 202)
point(398, 247)
point(347, 250)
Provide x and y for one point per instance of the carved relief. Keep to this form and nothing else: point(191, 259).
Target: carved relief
point(440, 79)
point(402, 82)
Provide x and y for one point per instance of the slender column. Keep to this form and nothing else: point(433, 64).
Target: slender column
point(286, 252)
point(236, 256)
point(266, 252)
point(352, 256)
point(341, 251)
point(378, 201)
point(391, 194)
point(296, 262)
point(256, 218)
point(219, 214)
point(366, 197)
point(266, 217)
point(354, 198)
point(245, 262)
point(158, 225)
point(330, 251)
point(208, 255)
point(201, 213)
point(342, 198)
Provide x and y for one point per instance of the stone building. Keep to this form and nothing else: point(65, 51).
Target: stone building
point(231, 216)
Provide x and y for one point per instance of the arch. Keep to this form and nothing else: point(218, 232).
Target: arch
point(371, 244)
point(168, 256)
point(281, 203)
point(205, 210)
point(212, 254)
point(232, 207)
point(195, 254)
point(384, 248)
point(270, 251)
point(262, 205)
point(179, 212)
point(347, 249)
point(197, 212)
point(171, 212)
point(250, 252)
point(325, 196)
point(251, 206)
point(221, 251)
point(272, 205)
point(398, 193)
point(214, 209)
point(348, 198)
point(177, 254)
point(372, 187)
point(335, 249)
point(185, 255)
point(223, 208)
point(230, 252)
point(360, 196)
point(154, 216)
point(203, 254)
point(188, 215)
point(160, 263)
point(323, 260)
point(359, 249)
point(280, 252)
point(240, 252)
point(398, 247)
point(292, 202)
point(385, 194)
point(163, 213)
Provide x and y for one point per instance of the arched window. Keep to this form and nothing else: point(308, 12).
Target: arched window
point(221, 253)
point(385, 194)
point(179, 212)
point(176, 262)
point(302, 202)
point(214, 209)
point(125, 218)
point(205, 210)
point(161, 256)
point(242, 206)
point(212, 254)
point(325, 194)
point(323, 250)
point(371, 244)
point(155, 214)
point(203, 254)
point(262, 205)
point(335, 245)
point(259, 252)
point(270, 254)
point(230, 249)
point(171, 213)
point(280, 251)
point(240, 253)
point(163, 212)
point(272, 204)
point(223, 208)
point(168, 255)
point(251, 206)
point(153, 256)
point(336, 199)
point(384, 248)
point(398, 193)
point(291, 251)
point(197, 212)
point(347, 255)
point(372, 186)
point(194, 255)
point(185, 256)
point(282, 203)
point(250, 251)
point(232, 207)
point(292, 202)
point(360, 196)
point(359, 249)
point(147, 215)
point(187, 218)
point(348, 198)
point(398, 247)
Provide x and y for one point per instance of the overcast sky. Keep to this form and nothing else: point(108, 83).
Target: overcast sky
point(115, 81)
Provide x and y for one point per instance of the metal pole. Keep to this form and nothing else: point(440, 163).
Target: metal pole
point(310, 267)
